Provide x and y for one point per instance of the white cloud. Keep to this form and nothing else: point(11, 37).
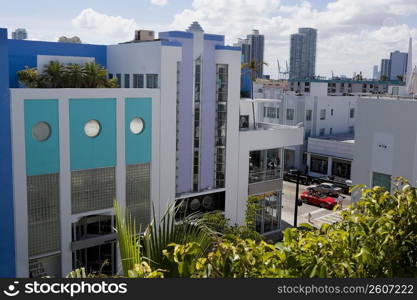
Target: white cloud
point(104, 27)
point(353, 34)
point(159, 2)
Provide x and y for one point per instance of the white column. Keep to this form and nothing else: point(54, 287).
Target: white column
point(65, 187)
point(329, 165)
point(308, 162)
point(19, 187)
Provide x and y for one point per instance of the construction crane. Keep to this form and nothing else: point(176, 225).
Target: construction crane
point(285, 72)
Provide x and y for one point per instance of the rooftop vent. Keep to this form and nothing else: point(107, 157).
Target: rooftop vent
point(144, 35)
point(195, 27)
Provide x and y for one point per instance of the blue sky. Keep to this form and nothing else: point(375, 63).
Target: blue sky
point(353, 34)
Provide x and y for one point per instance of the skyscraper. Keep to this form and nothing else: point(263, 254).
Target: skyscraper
point(253, 49)
point(375, 73)
point(398, 67)
point(20, 34)
point(385, 69)
point(256, 42)
point(245, 46)
point(303, 53)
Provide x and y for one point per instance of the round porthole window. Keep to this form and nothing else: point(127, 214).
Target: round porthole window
point(41, 131)
point(92, 128)
point(137, 125)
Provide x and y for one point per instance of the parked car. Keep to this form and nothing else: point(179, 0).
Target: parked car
point(291, 175)
point(326, 188)
point(343, 183)
point(318, 199)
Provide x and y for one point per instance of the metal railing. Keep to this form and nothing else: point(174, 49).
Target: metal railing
point(267, 175)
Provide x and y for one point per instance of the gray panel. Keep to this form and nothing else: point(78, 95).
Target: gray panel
point(92, 189)
point(138, 185)
point(43, 214)
point(265, 186)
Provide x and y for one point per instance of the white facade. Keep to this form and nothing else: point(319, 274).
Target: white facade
point(159, 180)
point(386, 141)
point(322, 115)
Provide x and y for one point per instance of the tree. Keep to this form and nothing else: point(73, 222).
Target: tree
point(29, 77)
point(53, 75)
point(400, 77)
point(252, 67)
point(57, 75)
point(384, 78)
point(76, 75)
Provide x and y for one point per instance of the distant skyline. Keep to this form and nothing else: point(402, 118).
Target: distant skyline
point(353, 35)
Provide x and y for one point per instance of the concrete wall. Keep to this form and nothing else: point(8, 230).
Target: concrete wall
point(385, 140)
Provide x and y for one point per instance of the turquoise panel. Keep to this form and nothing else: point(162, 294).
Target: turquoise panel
point(138, 146)
point(41, 157)
point(97, 152)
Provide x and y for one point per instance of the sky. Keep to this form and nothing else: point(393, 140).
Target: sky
point(353, 35)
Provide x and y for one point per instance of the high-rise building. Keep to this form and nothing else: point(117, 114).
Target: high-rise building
point(257, 42)
point(385, 69)
point(20, 34)
point(245, 46)
point(253, 47)
point(375, 73)
point(398, 65)
point(303, 53)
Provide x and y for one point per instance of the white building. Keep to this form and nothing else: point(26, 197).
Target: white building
point(165, 135)
point(386, 141)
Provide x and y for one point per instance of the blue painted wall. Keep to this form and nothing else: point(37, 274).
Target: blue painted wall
point(138, 146)
point(7, 248)
point(24, 53)
point(42, 157)
point(98, 152)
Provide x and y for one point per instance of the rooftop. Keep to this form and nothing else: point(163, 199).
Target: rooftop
point(349, 80)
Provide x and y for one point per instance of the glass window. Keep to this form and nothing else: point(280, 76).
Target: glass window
point(110, 76)
point(351, 129)
point(41, 131)
point(271, 112)
point(323, 114)
point(331, 112)
point(309, 114)
point(268, 215)
point(341, 168)
point(136, 125)
point(307, 133)
point(322, 131)
point(277, 112)
point(290, 114)
point(127, 80)
point(119, 80)
point(352, 113)
point(382, 180)
point(152, 81)
point(331, 131)
point(138, 81)
point(318, 164)
point(92, 128)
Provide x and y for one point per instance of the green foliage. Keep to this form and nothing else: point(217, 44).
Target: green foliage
point(220, 225)
point(57, 75)
point(252, 207)
point(143, 253)
point(377, 237)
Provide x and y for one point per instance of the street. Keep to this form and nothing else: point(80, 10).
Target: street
point(318, 215)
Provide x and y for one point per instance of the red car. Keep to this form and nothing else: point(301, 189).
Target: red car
point(321, 200)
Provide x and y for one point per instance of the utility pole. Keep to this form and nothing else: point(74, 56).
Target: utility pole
point(297, 187)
